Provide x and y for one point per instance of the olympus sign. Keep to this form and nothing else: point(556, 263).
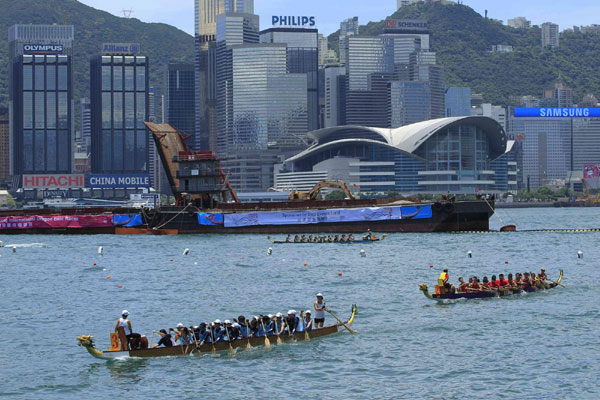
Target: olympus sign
point(43, 48)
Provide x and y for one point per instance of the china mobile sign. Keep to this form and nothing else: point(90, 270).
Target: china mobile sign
point(57, 181)
point(118, 181)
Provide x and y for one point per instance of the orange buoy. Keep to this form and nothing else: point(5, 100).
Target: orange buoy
point(340, 274)
point(505, 262)
point(120, 286)
point(305, 264)
point(171, 259)
point(107, 276)
point(94, 264)
point(431, 266)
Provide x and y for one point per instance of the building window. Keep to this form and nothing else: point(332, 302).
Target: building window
point(39, 110)
point(106, 151)
point(129, 78)
point(141, 110)
point(40, 147)
point(106, 77)
point(62, 77)
point(117, 78)
point(64, 151)
point(118, 110)
point(51, 110)
point(118, 150)
point(63, 110)
point(28, 151)
point(106, 110)
point(28, 110)
point(50, 77)
point(140, 150)
point(27, 78)
point(129, 110)
point(39, 77)
point(140, 75)
point(51, 150)
point(129, 150)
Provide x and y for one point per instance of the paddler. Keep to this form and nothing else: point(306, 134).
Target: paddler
point(292, 322)
point(542, 275)
point(304, 239)
point(278, 324)
point(307, 321)
point(165, 339)
point(443, 281)
point(319, 306)
point(218, 331)
point(462, 287)
point(296, 239)
point(288, 238)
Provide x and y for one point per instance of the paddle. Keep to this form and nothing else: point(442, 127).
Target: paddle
point(340, 321)
point(152, 340)
point(267, 341)
point(560, 284)
point(231, 351)
point(195, 341)
point(212, 340)
point(306, 335)
point(278, 337)
point(248, 346)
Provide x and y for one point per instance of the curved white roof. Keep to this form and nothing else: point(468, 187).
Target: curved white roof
point(410, 137)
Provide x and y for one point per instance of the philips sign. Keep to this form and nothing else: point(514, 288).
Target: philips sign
point(557, 112)
point(121, 48)
point(43, 49)
point(293, 21)
point(97, 181)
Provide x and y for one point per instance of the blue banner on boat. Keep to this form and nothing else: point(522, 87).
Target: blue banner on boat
point(210, 219)
point(303, 217)
point(417, 212)
point(127, 220)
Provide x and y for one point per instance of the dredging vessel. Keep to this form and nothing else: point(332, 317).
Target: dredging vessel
point(206, 203)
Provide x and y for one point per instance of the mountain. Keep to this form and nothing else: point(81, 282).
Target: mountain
point(160, 42)
point(462, 39)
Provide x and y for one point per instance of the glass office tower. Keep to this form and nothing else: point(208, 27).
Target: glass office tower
point(119, 97)
point(181, 102)
point(40, 81)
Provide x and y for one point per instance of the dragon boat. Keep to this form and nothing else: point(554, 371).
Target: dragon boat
point(361, 241)
point(117, 352)
point(486, 294)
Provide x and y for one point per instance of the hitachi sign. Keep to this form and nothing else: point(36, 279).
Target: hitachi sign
point(292, 21)
point(43, 49)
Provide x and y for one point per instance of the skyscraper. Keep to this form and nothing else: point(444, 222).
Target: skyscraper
point(302, 58)
point(422, 67)
point(550, 35)
point(458, 101)
point(181, 104)
point(85, 113)
point(333, 95)
point(410, 103)
point(119, 101)
point(40, 101)
point(323, 45)
point(241, 6)
point(348, 27)
point(4, 144)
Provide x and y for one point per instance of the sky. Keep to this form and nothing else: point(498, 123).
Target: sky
point(329, 13)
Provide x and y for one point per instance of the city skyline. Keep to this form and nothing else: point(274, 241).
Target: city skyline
point(328, 17)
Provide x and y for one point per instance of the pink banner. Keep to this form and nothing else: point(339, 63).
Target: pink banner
point(56, 221)
point(591, 171)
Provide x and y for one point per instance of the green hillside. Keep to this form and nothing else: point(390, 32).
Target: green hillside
point(463, 39)
point(160, 42)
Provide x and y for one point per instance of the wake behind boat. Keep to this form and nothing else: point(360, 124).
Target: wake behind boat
point(116, 352)
point(491, 292)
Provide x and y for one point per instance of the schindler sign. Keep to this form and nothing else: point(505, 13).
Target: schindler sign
point(43, 48)
point(557, 112)
point(299, 21)
point(121, 48)
point(406, 26)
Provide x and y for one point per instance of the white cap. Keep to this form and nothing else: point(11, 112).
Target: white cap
point(270, 316)
point(255, 317)
point(279, 315)
point(319, 294)
point(125, 312)
point(236, 325)
point(307, 312)
point(227, 322)
point(293, 312)
point(217, 321)
point(180, 325)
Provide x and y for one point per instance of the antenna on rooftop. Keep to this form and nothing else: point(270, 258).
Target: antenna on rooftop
point(127, 13)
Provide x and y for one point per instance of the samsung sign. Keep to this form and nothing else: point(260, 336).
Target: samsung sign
point(121, 48)
point(301, 21)
point(43, 49)
point(112, 181)
point(557, 112)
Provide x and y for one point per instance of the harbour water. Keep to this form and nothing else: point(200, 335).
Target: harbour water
point(540, 345)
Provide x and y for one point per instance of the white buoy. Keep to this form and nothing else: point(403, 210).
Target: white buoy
point(269, 251)
point(186, 252)
point(470, 254)
point(579, 254)
point(100, 250)
point(14, 249)
point(363, 253)
point(1, 243)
